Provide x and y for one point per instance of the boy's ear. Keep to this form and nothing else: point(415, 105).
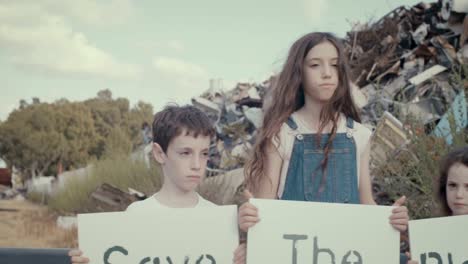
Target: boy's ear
point(158, 153)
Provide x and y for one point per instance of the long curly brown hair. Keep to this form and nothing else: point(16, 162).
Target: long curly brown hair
point(287, 96)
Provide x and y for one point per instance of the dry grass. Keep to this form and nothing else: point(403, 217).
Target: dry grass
point(414, 172)
point(26, 225)
point(122, 172)
point(41, 226)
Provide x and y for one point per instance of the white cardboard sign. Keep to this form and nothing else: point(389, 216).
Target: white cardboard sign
point(442, 240)
point(188, 235)
point(309, 232)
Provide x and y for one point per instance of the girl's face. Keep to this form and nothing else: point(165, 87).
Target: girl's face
point(320, 78)
point(457, 189)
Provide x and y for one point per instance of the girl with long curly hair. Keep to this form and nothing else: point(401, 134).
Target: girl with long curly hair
point(311, 146)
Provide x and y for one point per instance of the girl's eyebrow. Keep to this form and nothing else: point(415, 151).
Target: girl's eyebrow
point(319, 59)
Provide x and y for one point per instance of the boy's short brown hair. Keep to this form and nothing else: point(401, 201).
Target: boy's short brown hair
point(173, 120)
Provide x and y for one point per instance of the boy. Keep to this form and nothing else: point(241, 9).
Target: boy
point(181, 141)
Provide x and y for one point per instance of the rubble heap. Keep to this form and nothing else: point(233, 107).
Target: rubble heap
point(411, 63)
point(404, 61)
point(236, 114)
point(408, 63)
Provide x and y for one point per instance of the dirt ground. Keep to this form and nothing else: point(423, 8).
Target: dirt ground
point(27, 225)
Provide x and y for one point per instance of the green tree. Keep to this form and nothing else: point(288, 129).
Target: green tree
point(109, 114)
point(41, 135)
point(142, 112)
point(117, 143)
point(105, 95)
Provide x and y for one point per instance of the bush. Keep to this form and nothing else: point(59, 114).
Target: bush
point(414, 171)
point(120, 171)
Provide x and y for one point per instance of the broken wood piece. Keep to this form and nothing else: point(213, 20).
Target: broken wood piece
point(109, 198)
point(427, 74)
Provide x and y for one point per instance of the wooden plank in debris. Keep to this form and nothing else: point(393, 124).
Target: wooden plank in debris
point(427, 74)
point(109, 198)
point(388, 138)
point(464, 34)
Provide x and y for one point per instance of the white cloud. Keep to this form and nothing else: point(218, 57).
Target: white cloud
point(176, 45)
point(41, 41)
point(171, 45)
point(92, 12)
point(314, 10)
point(179, 68)
point(186, 79)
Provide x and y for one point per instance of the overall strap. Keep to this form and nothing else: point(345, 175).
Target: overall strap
point(290, 122)
point(349, 122)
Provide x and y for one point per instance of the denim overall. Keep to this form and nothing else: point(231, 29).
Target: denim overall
point(304, 176)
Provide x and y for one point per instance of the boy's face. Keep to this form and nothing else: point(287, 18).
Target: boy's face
point(184, 162)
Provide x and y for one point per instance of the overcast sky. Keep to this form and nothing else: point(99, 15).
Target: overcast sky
point(156, 51)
